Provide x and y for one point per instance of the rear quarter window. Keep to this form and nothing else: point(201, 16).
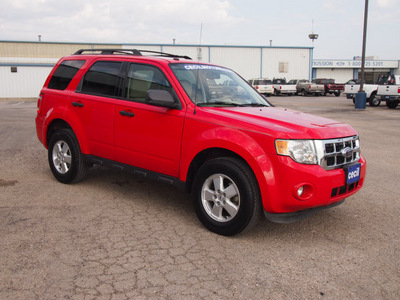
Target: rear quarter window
point(64, 74)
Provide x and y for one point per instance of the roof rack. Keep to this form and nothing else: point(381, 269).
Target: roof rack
point(129, 52)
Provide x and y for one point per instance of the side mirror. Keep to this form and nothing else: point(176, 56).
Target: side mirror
point(162, 98)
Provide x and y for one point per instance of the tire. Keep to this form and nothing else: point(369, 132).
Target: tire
point(65, 158)
point(276, 93)
point(373, 101)
point(235, 205)
point(392, 104)
point(337, 94)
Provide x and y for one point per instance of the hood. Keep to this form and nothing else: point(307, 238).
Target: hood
point(280, 122)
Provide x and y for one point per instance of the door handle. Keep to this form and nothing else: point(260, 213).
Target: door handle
point(126, 113)
point(77, 104)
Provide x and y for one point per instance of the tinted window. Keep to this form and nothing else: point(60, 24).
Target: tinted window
point(279, 81)
point(64, 74)
point(103, 78)
point(266, 81)
point(142, 78)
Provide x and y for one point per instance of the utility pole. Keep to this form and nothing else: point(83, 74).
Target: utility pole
point(361, 96)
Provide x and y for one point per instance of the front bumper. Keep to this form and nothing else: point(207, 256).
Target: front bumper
point(323, 187)
point(296, 216)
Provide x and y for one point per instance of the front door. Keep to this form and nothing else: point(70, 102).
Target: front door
point(148, 136)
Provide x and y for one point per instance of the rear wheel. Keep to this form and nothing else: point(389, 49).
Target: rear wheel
point(65, 158)
point(226, 196)
point(337, 94)
point(392, 104)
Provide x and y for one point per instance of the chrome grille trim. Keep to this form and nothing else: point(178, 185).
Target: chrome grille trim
point(337, 153)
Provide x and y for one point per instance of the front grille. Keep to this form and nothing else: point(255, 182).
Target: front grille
point(339, 152)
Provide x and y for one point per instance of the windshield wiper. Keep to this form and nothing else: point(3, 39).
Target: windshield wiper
point(224, 103)
point(255, 105)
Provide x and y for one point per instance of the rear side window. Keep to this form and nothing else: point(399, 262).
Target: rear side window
point(103, 78)
point(142, 78)
point(64, 74)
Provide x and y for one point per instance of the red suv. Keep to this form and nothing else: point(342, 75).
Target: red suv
point(199, 125)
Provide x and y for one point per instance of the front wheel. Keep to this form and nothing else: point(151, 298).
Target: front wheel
point(65, 158)
point(337, 94)
point(226, 196)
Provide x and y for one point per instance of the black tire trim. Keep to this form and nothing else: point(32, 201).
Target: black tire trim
point(78, 170)
point(244, 178)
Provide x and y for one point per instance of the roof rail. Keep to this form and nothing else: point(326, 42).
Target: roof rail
point(128, 52)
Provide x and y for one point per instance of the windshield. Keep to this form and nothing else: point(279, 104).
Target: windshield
point(208, 85)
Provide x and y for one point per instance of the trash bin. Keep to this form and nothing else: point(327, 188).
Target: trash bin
point(361, 100)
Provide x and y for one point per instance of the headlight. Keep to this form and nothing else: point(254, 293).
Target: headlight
point(301, 151)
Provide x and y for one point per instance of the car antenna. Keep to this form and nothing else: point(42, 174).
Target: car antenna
point(198, 67)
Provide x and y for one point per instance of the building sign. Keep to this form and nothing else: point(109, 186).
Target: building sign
point(352, 64)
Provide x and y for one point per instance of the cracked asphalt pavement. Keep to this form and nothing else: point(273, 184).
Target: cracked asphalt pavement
point(117, 236)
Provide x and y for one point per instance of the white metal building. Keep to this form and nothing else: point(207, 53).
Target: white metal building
point(344, 70)
point(24, 66)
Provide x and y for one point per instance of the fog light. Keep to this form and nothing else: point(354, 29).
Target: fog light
point(300, 191)
point(303, 191)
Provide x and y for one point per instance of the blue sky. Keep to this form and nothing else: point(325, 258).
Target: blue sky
point(339, 23)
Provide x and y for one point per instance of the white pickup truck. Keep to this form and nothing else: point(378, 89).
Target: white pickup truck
point(282, 87)
point(352, 87)
point(389, 90)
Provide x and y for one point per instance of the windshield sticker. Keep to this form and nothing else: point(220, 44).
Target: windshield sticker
point(204, 67)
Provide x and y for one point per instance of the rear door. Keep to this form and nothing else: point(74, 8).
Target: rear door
point(93, 105)
point(148, 136)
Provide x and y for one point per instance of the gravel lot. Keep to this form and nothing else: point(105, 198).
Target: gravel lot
point(115, 236)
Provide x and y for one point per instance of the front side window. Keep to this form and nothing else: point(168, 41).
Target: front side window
point(64, 74)
point(103, 78)
point(208, 85)
point(142, 78)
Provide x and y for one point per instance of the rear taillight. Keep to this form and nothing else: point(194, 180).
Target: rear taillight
point(398, 90)
point(256, 87)
point(39, 103)
point(280, 87)
point(309, 87)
